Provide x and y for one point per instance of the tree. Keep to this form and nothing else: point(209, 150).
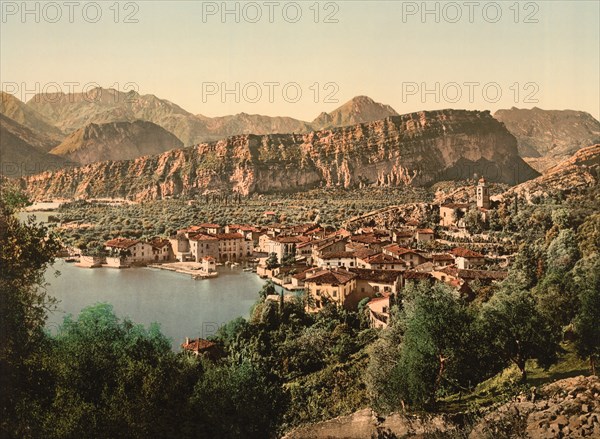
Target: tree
point(272, 261)
point(268, 289)
point(114, 378)
point(563, 252)
point(26, 250)
point(288, 259)
point(518, 331)
point(587, 322)
point(437, 349)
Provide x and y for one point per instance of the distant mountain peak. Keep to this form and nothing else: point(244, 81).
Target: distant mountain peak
point(359, 109)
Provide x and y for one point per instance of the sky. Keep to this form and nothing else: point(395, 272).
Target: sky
point(297, 59)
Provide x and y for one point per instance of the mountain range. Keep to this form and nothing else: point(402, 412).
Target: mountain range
point(105, 124)
point(417, 149)
point(546, 137)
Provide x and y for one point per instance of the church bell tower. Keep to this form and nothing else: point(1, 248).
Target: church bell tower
point(483, 194)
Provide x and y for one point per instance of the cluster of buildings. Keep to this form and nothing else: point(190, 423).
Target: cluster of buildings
point(331, 266)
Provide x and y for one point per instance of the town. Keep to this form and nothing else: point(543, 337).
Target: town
point(366, 265)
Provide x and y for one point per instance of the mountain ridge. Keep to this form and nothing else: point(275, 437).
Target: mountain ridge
point(418, 148)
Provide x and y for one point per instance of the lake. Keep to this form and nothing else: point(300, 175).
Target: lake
point(182, 306)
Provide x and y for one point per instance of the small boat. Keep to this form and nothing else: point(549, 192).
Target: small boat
point(70, 260)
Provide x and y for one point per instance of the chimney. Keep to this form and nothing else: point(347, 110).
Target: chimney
point(187, 340)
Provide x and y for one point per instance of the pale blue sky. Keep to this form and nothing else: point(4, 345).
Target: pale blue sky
point(370, 51)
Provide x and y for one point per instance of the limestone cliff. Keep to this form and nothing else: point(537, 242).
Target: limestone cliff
point(419, 148)
point(579, 171)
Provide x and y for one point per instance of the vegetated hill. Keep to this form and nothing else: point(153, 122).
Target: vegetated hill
point(13, 108)
point(419, 148)
point(22, 151)
point(360, 109)
point(116, 141)
point(579, 171)
point(545, 137)
point(70, 112)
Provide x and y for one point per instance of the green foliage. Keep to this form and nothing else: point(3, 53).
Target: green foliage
point(587, 321)
point(563, 252)
point(438, 345)
point(26, 250)
point(589, 236)
point(237, 401)
point(518, 331)
point(272, 261)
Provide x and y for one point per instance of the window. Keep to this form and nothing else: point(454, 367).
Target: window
point(335, 293)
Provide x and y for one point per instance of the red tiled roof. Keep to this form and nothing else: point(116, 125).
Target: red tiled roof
point(198, 345)
point(209, 226)
point(425, 231)
point(338, 255)
point(159, 242)
point(382, 258)
point(202, 237)
point(121, 243)
point(383, 276)
point(396, 249)
point(331, 277)
point(225, 236)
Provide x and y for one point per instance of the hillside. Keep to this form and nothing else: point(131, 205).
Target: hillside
point(70, 112)
point(116, 141)
point(419, 148)
point(16, 110)
point(545, 137)
point(580, 170)
point(23, 152)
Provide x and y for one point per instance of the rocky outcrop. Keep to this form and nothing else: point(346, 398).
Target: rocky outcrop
point(23, 151)
point(545, 137)
point(116, 141)
point(418, 148)
point(579, 171)
point(569, 408)
point(367, 424)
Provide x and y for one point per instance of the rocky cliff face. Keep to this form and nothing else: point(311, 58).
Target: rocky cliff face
point(545, 137)
point(116, 141)
point(579, 171)
point(418, 148)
